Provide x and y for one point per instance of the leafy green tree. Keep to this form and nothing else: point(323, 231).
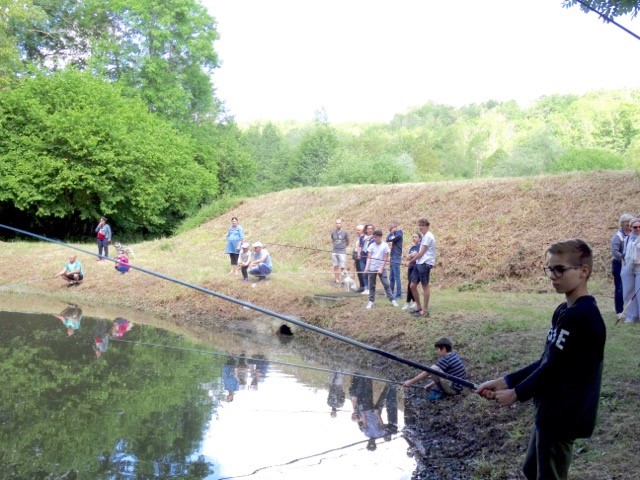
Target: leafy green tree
point(610, 8)
point(71, 146)
point(586, 159)
point(313, 155)
point(161, 50)
point(349, 167)
point(271, 155)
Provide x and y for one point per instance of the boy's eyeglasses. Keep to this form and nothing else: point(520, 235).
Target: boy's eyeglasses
point(558, 270)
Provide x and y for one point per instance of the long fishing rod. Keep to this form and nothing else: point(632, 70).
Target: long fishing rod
point(241, 357)
point(607, 19)
point(308, 326)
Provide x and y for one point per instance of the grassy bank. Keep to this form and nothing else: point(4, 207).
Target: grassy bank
point(489, 293)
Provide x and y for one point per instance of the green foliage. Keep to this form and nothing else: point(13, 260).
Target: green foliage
point(160, 50)
point(313, 155)
point(587, 159)
point(350, 168)
point(610, 8)
point(73, 146)
point(271, 155)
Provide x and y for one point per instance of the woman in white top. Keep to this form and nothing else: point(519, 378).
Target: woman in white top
point(631, 272)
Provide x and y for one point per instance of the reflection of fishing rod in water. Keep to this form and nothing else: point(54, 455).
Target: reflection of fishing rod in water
point(308, 326)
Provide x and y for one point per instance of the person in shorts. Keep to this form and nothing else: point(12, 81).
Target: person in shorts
point(424, 261)
point(340, 242)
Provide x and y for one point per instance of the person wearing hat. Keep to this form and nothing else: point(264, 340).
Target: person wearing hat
point(245, 260)
point(261, 265)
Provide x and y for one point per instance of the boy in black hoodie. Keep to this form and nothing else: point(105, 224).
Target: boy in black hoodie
point(565, 382)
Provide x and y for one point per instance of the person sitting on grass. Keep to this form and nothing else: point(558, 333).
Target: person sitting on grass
point(72, 272)
point(448, 362)
point(122, 265)
point(261, 265)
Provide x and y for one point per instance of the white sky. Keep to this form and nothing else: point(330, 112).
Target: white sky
point(365, 60)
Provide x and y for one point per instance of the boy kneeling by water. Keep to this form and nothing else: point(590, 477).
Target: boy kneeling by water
point(448, 362)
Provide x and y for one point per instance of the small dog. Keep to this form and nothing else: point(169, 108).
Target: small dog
point(127, 250)
point(347, 281)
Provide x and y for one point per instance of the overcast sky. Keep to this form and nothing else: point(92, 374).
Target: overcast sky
point(365, 60)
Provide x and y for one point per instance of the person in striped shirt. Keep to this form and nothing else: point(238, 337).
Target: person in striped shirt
point(448, 362)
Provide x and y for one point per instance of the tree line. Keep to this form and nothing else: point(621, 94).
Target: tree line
point(108, 109)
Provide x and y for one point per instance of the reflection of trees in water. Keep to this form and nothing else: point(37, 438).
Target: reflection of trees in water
point(140, 411)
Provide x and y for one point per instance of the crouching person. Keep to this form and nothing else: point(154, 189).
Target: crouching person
point(448, 362)
point(72, 272)
point(261, 265)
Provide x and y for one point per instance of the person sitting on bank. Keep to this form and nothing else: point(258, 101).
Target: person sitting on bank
point(261, 265)
point(122, 265)
point(448, 362)
point(72, 272)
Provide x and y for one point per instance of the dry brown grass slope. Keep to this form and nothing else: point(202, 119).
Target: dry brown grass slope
point(490, 231)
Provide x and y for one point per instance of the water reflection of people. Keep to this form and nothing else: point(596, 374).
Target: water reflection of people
point(241, 371)
point(101, 338)
point(71, 317)
point(229, 378)
point(369, 415)
point(120, 327)
point(258, 366)
point(336, 396)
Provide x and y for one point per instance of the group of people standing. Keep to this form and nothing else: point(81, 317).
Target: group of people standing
point(372, 255)
point(257, 264)
point(625, 267)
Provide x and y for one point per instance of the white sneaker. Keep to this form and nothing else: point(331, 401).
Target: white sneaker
point(394, 303)
point(369, 304)
point(405, 306)
point(365, 292)
point(413, 305)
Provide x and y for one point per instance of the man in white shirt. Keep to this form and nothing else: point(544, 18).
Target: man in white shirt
point(424, 261)
point(377, 260)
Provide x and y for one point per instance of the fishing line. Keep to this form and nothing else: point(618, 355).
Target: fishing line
point(250, 359)
point(24, 282)
point(308, 326)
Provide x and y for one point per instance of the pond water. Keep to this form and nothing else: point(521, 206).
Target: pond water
point(93, 398)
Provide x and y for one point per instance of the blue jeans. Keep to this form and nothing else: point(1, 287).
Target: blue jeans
point(365, 277)
point(260, 271)
point(395, 281)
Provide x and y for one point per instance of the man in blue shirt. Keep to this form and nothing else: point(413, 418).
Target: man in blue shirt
point(72, 272)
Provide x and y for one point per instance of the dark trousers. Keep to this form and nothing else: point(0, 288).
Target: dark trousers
point(356, 265)
point(365, 278)
point(103, 244)
point(548, 458)
point(616, 268)
point(372, 285)
point(244, 271)
point(409, 292)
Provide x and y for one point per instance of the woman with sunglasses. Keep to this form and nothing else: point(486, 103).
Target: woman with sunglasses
point(630, 273)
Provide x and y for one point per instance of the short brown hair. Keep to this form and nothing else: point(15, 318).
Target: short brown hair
point(377, 233)
point(423, 222)
point(577, 249)
point(444, 342)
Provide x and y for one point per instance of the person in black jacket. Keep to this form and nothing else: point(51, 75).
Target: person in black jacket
point(565, 382)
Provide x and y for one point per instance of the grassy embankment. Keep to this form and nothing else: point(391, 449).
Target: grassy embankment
point(489, 293)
